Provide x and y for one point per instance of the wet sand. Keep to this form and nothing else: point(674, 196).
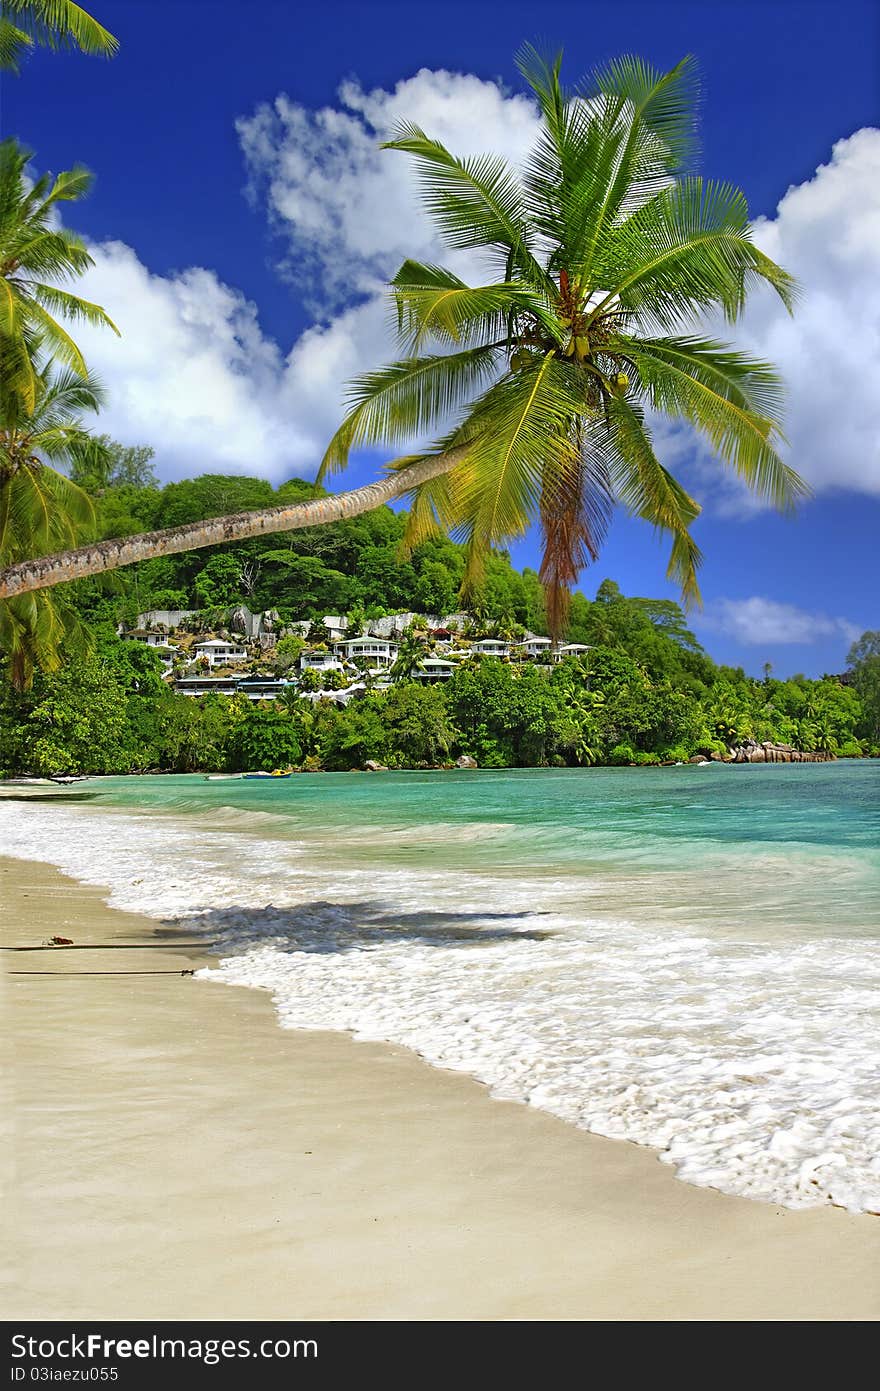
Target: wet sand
point(170, 1152)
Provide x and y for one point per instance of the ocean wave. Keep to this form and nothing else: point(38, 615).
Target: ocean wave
point(751, 1066)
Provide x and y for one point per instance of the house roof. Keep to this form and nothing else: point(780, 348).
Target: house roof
point(219, 642)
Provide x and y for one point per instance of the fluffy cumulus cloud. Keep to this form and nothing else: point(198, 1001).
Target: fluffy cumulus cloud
point(759, 621)
point(348, 210)
point(827, 233)
point(192, 374)
point(195, 375)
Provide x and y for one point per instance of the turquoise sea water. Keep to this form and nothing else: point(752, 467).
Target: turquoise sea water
point(789, 847)
point(684, 957)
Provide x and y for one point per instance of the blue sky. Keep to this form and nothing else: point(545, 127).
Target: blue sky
point(227, 226)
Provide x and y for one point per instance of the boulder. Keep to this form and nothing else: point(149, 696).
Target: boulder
point(750, 752)
point(465, 761)
point(698, 758)
point(372, 766)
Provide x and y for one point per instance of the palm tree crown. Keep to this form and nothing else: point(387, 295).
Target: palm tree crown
point(51, 23)
point(607, 251)
point(35, 255)
point(42, 511)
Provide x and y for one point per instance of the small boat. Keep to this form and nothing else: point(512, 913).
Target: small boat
point(276, 773)
point(222, 777)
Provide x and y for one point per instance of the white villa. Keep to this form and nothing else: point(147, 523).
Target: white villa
point(379, 651)
point(491, 647)
point(219, 652)
point(150, 637)
point(570, 649)
point(533, 646)
point(434, 669)
point(319, 661)
point(158, 643)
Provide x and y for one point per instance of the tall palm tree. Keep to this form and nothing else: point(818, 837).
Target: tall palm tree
point(41, 509)
point(606, 251)
point(609, 252)
point(52, 24)
point(35, 255)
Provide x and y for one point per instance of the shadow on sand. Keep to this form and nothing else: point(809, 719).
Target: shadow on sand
point(324, 926)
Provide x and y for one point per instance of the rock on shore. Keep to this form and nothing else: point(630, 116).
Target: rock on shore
point(751, 752)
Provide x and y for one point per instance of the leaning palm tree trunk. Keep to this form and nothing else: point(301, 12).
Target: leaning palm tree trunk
point(47, 570)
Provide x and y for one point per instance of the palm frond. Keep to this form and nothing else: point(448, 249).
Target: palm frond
point(61, 24)
point(14, 44)
point(542, 70)
point(430, 507)
point(475, 203)
point(649, 491)
point(519, 437)
point(731, 399)
point(663, 103)
point(433, 302)
point(72, 307)
point(18, 376)
point(686, 251)
point(406, 398)
point(57, 338)
point(41, 252)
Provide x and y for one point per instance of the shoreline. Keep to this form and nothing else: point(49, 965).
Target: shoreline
point(176, 1154)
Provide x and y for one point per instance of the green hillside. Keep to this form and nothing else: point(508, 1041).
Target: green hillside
point(644, 692)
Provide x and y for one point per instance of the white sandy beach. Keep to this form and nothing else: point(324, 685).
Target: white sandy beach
point(171, 1153)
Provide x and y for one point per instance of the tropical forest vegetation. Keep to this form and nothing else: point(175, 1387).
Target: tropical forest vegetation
point(645, 691)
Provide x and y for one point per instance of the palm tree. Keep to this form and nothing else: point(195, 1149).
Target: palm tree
point(35, 254)
point(410, 654)
point(41, 509)
point(608, 250)
point(52, 23)
point(604, 251)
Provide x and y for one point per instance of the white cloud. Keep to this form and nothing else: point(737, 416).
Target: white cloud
point(757, 621)
point(192, 374)
point(348, 210)
point(196, 376)
point(827, 233)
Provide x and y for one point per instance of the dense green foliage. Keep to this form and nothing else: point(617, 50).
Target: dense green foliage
point(864, 662)
point(45, 390)
point(645, 692)
point(352, 564)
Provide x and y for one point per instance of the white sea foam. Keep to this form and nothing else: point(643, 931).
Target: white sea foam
point(752, 1067)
